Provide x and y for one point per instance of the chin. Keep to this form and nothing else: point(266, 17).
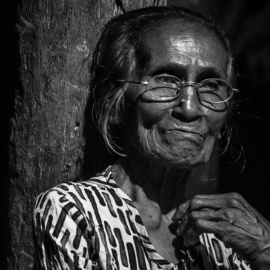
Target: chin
point(187, 158)
point(181, 162)
point(185, 165)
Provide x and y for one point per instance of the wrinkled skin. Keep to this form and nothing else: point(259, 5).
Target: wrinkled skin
point(180, 135)
point(232, 220)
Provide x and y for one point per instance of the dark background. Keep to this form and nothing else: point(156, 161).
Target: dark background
point(248, 26)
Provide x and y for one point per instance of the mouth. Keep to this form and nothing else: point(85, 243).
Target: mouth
point(188, 131)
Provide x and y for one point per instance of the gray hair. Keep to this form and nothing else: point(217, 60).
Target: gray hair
point(117, 56)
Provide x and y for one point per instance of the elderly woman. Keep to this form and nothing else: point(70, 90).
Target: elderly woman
point(162, 84)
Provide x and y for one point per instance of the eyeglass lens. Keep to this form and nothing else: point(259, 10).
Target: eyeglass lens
point(169, 87)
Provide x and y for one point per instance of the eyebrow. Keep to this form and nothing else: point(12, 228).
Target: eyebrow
point(210, 72)
point(176, 70)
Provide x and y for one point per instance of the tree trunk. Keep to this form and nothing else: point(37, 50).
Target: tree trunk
point(47, 144)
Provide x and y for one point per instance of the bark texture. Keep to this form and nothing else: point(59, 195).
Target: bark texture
point(56, 37)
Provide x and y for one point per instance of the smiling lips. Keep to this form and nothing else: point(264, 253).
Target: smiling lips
point(187, 131)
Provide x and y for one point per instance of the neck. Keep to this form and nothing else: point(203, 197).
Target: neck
point(156, 191)
point(148, 183)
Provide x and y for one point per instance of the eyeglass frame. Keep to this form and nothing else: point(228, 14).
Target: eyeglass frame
point(185, 84)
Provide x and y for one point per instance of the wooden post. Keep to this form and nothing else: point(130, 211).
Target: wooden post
point(46, 144)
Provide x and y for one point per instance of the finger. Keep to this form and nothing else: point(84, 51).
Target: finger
point(231, 235)
point(228, 233)
point(233, 216)
point(213, 202)
point(228, 214)
point(180, 211)
point(221, 229)
point(244, 244)
point(199, 202)
point(191, 237)
point(232, 199)
point(182, 224)
point(219, 201)
point(191, 233)
point(192, 217)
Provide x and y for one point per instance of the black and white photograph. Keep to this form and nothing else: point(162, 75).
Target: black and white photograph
point(135, 135)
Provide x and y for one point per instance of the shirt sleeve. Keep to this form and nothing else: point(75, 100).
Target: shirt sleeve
point(64, 236)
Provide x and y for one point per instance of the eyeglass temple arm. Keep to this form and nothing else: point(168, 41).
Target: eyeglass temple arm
point(123, 81)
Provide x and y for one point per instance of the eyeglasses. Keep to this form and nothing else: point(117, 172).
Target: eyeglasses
point(168, 88)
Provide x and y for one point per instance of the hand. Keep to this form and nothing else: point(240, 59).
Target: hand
point(232, 220)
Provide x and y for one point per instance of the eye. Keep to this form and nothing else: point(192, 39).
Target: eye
point(168, 80)
point(215, 90)
point(210, 85)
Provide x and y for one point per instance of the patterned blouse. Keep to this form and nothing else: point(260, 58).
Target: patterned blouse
point(94, 225)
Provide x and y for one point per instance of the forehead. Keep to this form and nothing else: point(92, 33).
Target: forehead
point(187, 44)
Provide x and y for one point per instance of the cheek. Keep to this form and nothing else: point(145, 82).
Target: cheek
point(215, 123)
point(148, 116)
point(147, 137)
point(215, 118)
point(143, 128)
point(147, 131)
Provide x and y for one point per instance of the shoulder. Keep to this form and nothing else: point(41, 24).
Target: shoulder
point(64, 225)
point(87, 195)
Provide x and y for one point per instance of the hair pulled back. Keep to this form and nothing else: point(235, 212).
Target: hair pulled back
point(115, 57)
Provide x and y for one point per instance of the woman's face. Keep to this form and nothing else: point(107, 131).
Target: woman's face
point(179, 133)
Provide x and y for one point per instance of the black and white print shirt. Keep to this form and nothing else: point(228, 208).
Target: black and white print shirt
point(94, 225)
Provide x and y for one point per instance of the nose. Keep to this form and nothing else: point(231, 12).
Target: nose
point(188, 108)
